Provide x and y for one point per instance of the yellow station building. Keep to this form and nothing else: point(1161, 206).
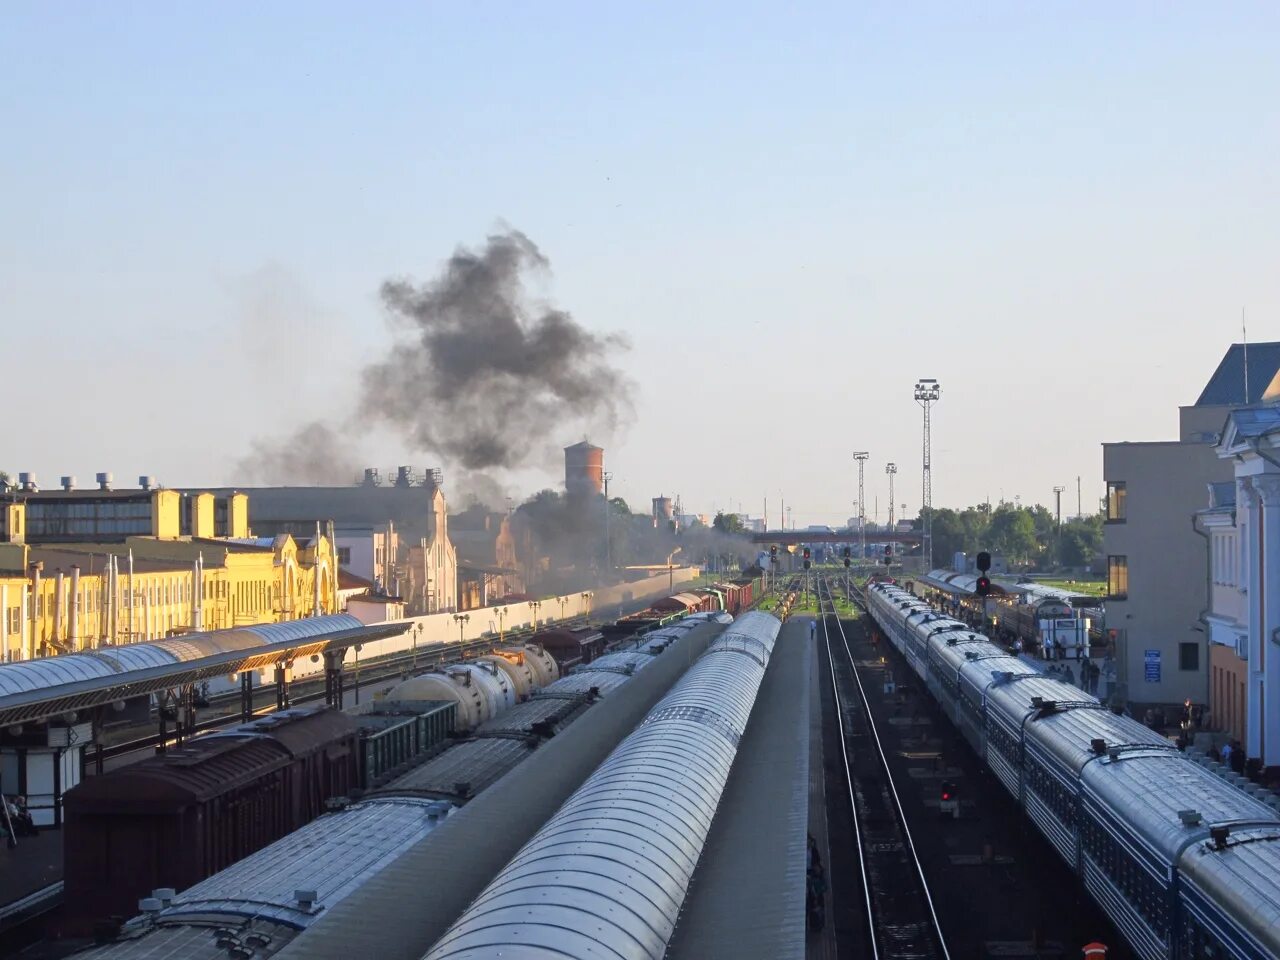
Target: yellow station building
point(84, 568)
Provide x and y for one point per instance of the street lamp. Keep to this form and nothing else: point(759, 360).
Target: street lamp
point(461, 619)
point(417, 630)
point(502, 624)
point(586, 602)
point(534, 605)
point(927, 392)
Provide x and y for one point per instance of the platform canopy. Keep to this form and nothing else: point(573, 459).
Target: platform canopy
point(49, 687)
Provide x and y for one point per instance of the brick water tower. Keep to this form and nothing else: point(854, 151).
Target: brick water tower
point(584, 470)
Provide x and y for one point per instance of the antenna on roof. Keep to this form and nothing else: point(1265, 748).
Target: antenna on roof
point(1244, 331)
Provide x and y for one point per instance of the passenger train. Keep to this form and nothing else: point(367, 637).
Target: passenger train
point(1185, 864)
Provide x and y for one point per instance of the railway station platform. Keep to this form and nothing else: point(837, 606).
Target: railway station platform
point(748, 895)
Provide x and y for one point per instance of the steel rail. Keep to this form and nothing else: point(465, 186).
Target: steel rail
point(938, 937)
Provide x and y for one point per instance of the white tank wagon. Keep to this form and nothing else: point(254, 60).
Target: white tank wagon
point(544, 667)
point(607, 875)
point(519, 674)
point(480, 690)
point(262, 902)
point(1184, 863)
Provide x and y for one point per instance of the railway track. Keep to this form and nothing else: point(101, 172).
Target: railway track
point(902, 922)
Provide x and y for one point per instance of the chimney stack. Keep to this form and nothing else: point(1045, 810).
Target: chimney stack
point(404, 476)
point(371, 478)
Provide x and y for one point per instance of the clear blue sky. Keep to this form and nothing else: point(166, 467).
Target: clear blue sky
point(1057, 210)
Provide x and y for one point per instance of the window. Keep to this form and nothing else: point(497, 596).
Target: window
point(1189, 655)
point(1118, 577)
point(344, 556)
point(1115, 501)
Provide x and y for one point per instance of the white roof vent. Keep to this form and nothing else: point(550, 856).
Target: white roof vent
point(146, 482)
point(150, 906)
point(104, 480)
point(68, 483)
point(164, 894)
point(306, 899)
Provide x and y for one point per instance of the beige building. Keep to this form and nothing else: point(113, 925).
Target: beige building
point(1158, 594)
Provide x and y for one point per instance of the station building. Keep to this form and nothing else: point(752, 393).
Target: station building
point(394, 533)
point(84, 568)
point(1157, 589)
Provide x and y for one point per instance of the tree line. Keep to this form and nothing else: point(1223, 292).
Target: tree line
point(1028, 537)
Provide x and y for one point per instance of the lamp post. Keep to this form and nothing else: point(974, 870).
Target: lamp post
point(417, 630)
point(927, 392)
point(562, 601)
point(462, 619)
point(502, 625)
point(586, 602)
point(534, 605)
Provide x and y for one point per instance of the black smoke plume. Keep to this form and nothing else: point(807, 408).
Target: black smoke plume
point(480, 374)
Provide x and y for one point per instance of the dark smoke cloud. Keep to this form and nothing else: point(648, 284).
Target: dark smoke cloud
point(480, 375)
point(483, 377)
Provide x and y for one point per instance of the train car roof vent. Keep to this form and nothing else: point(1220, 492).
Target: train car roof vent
point(150, 906)
point(1219, 836)
point(1113, 753)
point(164, 894)
point(1098, 746)
point(1190, 818)
point(1037, 702)
point(305, 898)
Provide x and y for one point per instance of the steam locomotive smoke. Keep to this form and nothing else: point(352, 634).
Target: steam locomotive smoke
point(483, 376)
point(478, 375)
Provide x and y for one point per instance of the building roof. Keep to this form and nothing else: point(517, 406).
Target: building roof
point(583, 445)
point(95, 561)
point(1252, 422)
point(349, 581)
point(1226, 386)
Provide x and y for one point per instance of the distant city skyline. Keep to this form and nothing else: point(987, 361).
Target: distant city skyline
point(1058, 212)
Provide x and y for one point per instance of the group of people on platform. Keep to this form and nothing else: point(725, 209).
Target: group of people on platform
point(1090, 673)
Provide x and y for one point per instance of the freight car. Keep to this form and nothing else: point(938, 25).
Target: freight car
point(174, 819)
point(571, 647)
point(396, 734)
point(1185, 864)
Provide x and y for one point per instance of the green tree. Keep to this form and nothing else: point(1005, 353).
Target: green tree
point(1013, 533)
point(729, 523)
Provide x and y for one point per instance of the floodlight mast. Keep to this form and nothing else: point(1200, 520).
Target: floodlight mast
point(927, 392)
point(861, 456)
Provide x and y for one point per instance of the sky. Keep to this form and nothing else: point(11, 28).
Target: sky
point(1059, 211)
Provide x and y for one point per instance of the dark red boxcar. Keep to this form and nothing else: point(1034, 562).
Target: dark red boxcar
point(174, 819)
point(571, 647)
